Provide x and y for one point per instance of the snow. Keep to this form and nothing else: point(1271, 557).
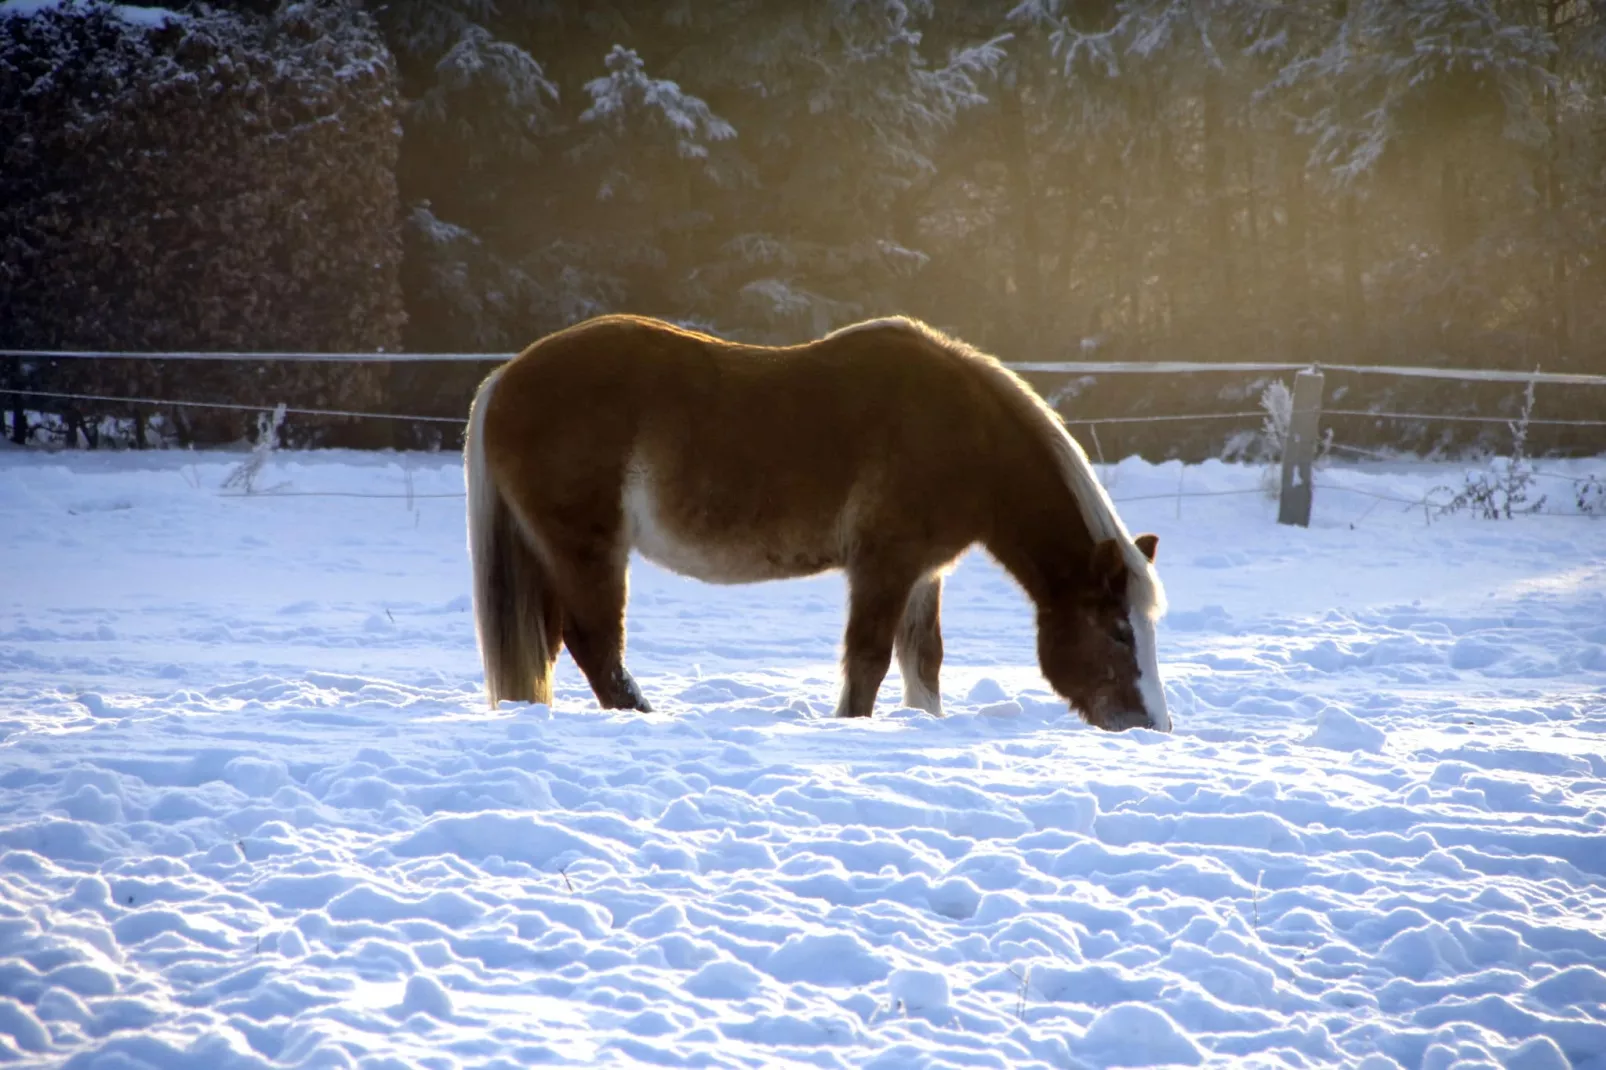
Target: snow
point(26, 8)
point(254, 813)
point(626, 87)
point(149, 17)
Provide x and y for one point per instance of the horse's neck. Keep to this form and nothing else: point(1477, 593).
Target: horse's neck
point(1040, 538)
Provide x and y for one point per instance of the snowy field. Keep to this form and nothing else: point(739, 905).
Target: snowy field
point(254, 813)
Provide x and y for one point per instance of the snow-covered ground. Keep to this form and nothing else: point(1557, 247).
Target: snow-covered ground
point(254, 813)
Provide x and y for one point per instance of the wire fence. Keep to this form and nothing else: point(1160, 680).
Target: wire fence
point(1459, 418)
point(1424, 502)
point(265, 357)
point(459, 495)
point(1088, 368)
point(231, 406)
point(1049, 367)
point(1108, 367)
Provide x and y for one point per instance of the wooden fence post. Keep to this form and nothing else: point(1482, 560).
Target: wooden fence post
point(1299, 449)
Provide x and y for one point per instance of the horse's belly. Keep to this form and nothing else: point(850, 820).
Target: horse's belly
point(717, 556)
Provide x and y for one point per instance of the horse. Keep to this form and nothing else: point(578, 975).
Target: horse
point(884, 449)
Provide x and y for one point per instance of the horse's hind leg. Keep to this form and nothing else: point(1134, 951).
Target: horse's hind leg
point(876, 600)
point(594, 588)
point(918, 643)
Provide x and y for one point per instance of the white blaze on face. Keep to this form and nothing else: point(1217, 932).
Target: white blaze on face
point(1148, 657)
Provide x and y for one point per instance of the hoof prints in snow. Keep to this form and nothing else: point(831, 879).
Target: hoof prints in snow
point(260, 818)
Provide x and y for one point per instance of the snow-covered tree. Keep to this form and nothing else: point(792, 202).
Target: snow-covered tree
point(714, 160)
point(840, 111)
point(650, 151)
point(1425, 115)
point(423, 30)
point(200, 180)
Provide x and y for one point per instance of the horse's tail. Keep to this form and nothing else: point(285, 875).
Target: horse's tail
point(510, 593)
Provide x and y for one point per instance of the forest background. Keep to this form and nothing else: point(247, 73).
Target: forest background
point(1390, 181)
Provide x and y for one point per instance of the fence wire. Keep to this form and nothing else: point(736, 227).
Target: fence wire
point(264, 357)
point(237, 407)
point(1111, 367)
point(1166, 419)
point(1411, 503)
point(1460, 419)
point(1427, 502)
point(459, 495)
point(234, 406)
point(1086, 368)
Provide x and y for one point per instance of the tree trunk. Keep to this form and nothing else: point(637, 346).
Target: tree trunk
point(1297, 206)
point(1560, 320)
point(1128, 257)
point(1453, 242)
point(1058, 283)
point(1171, 265)
point(1219, 266)
point(1023, 211)
point(1354, 299)
point(1452, 213)
point(1252, 228)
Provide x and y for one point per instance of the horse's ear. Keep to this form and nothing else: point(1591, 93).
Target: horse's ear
point(1109, 566)
point(1148, 544)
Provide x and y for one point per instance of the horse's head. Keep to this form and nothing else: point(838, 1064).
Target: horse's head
point(1096, 643)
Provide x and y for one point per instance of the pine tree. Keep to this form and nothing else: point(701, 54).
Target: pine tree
point(200, 180)
point(845, 110)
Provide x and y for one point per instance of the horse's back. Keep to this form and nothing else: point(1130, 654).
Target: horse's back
point(736, 462)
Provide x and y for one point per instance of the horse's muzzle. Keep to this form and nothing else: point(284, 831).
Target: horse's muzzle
point(1121, 721)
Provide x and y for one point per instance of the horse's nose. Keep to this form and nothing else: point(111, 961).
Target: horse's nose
point(1158, 720)
point(1139, 718)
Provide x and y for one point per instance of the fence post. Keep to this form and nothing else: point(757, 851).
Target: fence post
point(1299, 449)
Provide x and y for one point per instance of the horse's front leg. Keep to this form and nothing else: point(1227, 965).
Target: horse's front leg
point(919, 646)
point(876, 601)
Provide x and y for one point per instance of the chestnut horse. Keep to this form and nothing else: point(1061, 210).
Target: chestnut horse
point(884, 449)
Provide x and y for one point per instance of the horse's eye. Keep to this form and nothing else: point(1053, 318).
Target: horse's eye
point(1123, 634)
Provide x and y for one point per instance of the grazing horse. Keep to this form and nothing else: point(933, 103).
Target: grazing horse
point(884, 449)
